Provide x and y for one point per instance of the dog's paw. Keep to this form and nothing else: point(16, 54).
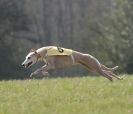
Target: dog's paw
point(45, 73)
point(31, 75)
point(121, 78)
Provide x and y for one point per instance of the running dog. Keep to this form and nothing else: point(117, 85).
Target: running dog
point(58, 57)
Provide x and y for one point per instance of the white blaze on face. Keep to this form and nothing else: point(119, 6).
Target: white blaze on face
point(30, 59)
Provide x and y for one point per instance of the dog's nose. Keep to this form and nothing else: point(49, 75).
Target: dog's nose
point(22, 64)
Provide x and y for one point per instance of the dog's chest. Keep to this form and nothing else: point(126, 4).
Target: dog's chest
point(58, 51)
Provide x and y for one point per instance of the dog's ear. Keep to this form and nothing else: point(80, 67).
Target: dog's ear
point(33, 50)
point(37, 54)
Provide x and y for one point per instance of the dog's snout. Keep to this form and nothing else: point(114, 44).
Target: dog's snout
point(22, 64)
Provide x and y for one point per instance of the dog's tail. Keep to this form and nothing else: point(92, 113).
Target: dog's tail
point(109, 69)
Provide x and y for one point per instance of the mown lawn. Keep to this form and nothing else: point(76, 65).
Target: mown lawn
point(86, 95)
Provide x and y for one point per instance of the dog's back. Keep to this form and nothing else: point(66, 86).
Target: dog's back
point(54, 50)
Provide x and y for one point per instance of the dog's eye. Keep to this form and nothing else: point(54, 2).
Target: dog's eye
point(29, 57)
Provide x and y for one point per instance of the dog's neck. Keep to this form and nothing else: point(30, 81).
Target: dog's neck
point(41, 54)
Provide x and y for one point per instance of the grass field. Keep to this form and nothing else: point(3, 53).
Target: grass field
point(86, 95)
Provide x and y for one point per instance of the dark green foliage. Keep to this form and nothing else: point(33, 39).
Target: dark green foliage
point(12, 20)
point(117, 32)
point(102, 28)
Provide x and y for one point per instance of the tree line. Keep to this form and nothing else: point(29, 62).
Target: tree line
point(102, 28)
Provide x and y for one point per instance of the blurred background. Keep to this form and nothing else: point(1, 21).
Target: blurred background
point(102, 28)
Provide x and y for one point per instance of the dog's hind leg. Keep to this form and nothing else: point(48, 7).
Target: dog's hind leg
point(108, 69)
point(94, 65)
point(106, 75)
point(114, 75)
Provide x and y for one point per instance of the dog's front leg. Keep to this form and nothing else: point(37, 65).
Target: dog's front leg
point(42, 70)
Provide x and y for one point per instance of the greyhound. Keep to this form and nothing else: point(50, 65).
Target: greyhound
point(58, 57)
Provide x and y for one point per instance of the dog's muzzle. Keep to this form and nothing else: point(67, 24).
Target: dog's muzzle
point(23, 65)
point(27, 65)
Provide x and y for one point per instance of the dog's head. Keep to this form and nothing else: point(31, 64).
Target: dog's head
point(31, 58)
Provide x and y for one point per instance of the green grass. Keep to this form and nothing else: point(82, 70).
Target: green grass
point(87, 95)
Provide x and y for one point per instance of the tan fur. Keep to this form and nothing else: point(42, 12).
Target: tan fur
point(59, 60)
